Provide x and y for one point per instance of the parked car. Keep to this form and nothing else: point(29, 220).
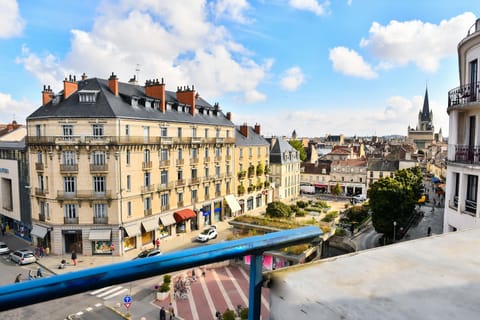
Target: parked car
point(4, 248)
point(148, 253)
point(207, 234)
point(358, 198)
point(23, 256)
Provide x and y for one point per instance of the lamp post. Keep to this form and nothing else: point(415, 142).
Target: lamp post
point(394, 227)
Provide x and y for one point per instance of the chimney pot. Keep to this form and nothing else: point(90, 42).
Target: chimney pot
point(113, 84)
point(229, 116)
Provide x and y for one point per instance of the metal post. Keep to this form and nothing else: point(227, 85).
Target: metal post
point(255, 290)
point(394, 227)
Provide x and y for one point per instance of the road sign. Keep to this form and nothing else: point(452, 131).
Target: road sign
point(127, 301)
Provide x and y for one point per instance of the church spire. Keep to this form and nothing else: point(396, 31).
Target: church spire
point(426, 108)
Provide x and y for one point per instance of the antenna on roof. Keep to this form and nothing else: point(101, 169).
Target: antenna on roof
point(137, 70)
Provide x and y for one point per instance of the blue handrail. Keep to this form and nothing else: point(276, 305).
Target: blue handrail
point(45, 289)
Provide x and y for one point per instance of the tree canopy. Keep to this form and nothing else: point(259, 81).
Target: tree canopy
point(298, 145)
point(394, 199)
point(277, 209)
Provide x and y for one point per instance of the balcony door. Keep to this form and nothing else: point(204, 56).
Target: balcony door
point(473, 79)
point(471, 137)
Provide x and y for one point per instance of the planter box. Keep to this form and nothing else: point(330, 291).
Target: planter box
point(162, 295)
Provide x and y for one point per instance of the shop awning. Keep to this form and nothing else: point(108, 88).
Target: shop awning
point(150, 225)
point(184, 214)
point(167, 219)
point(233, 203)
point(435, 180)
point(132, 230)
point(100, 234)
point(319, 185)
point(39, 231)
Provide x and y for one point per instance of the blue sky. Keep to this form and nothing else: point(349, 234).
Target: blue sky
point(353, 67)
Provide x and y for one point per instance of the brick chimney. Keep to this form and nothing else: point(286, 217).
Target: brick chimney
point(257, 128)
point(69, 86)
point(47, 95)
point(84, 77)
point(187, 96)
point(156, 89)
point(113, 84)
point(244, 130)
point(229, 116)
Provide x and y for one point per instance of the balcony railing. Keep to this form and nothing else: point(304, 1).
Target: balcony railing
point(147, 212)
point(165, 207)
point(39, 166)
point(180, 182)
point(83, 195)
point(467, 154)
point(64, 168)
point(164, 163)
point(41, 191)
point(218, 158)
point(17, 295)
point(471, 207)
point(99, 167)
point(165, 186)
point(194, 160)
point(147, 189)
point(70, 220)
point(206, 159)
point(461, 95)
point(41, 217)
point(100, 220)
point(195, 180)
point(147, 165)
point(179, 162)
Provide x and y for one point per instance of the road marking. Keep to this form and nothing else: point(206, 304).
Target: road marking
point(207, 295)
point(99, 290)
point(222, 289)
point(89, 309)
point(108, 292)
point(116, 293)
point(237, 286)
point(191, 302)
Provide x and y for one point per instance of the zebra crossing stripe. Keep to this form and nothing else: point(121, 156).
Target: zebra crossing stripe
point(116, 293)
point(99, 290)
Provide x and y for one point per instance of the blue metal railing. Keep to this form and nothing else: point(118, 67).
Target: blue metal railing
point(31, 292)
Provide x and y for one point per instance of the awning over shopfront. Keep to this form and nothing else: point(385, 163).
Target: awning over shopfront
point(319, 185)
point(233, 203)
point(150, 225)
point(132, 230)
point(184, 214)
point(167, 219)
point(100, 234)
point(435, 180)
point(39, 231)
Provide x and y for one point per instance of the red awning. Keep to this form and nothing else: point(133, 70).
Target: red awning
point(317, 185)
point(184, 214)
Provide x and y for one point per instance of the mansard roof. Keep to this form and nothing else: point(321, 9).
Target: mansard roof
point(107, 105)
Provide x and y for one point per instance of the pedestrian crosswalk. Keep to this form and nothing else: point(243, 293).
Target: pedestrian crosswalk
point(109, 292)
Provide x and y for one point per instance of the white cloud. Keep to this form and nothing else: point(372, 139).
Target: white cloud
point(11, 23)
point(292, 79)
point(11, 109)
point(170, 39)
point(231, 9)
point(310, 5)
point(350, 63)
point(421, 43)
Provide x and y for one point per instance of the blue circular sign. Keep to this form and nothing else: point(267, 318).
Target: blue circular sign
point(127, 299)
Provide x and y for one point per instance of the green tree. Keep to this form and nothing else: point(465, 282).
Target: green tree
point(411, 178)
point(337, 190)
point(277, 209)
point(390, 200)
point(298, 145)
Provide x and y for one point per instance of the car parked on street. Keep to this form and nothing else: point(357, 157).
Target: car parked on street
point(208, 234)
point(23, 256)
point(4, 248)
point(148, 253)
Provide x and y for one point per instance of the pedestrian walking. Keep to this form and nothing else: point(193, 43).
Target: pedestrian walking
point(30, 275)
point(194, 276)
point(171, 311)
point(157, 244)
point(429, 231)
point(17, 278)
point(39, 272)
point(163, 313)
point(74, 257)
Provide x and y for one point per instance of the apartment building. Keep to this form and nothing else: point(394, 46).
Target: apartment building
point(350, 175)
point(14, 182)
point(284, 170)
point(381, 168)
point(115, 165)
point(463, 162)
point(252, 165)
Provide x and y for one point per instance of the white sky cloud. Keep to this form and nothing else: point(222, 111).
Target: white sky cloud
point(188, 49)
point(11, 23)
point(15, 110)
point(310, 5)
point(418, 42)
point(232, 9)
point(292, 79)
point(350, 63)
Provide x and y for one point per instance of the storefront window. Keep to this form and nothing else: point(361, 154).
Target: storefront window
point(217, 211)
point(147, 238)
point(181, 227)
point(165, 231)
point(101, 247)
point(129, 243)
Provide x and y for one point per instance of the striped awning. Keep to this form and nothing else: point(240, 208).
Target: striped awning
point(100, 234)
point(39, 231)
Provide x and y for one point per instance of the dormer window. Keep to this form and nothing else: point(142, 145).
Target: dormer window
point(134, 101)
point(87, 96)
point(156, 104)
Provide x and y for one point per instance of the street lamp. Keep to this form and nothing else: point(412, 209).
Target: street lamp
point(394, 227)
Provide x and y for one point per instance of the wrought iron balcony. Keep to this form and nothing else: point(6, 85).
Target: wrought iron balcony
point(147, 189)
point(67, 220)
point(164, 163)
point(179, 162)
point(41, 217)
point(98, 168)
point(49, 288)
point(41, 191)
point(68, 168)
point(84, 195)
point(147, 165)
point(39, 166)
point(147, 212)
point(467, 93)
point(100, 220)
point(467, 154)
